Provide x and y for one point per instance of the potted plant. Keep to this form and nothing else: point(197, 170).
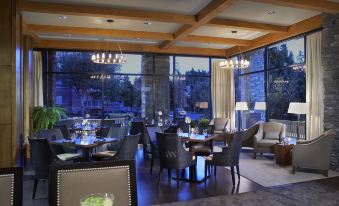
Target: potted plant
point(46, 117)
point(203, 124)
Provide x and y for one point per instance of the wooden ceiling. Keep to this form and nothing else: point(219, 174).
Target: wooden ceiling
point(185, 29)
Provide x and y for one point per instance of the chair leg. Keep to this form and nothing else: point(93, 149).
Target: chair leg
point(34, 188)
point(232, 172)
point(205, 173)
point(254, 155)
point(177, 178)
point(183, 173)
point(151, 165)
point(169, 174)
point(160, 171)
point(215, 171)
point(238, 171)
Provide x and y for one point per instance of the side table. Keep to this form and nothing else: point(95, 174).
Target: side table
point(283, 153)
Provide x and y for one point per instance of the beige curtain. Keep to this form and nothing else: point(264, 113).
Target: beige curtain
point(37, 92)
point(222, 90)
point(314, 87)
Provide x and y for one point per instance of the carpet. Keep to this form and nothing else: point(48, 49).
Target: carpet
point(304, 194)
point(267, 173)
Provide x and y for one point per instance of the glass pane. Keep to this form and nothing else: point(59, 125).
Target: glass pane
point(192, 97)
point(257, 61)
point(122, 96)
point(195, 66)
point(251, 90)
point(79, 94)
point(286, 54)
point(285, 86)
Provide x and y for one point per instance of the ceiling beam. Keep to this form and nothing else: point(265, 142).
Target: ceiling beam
point(204, 16)
point(317, 5)
point(142, 48)
point(35, 28)
point(253, 26)
point(107, 12)
point(302, 27)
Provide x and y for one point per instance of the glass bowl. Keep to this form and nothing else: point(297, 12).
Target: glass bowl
point(97, 199)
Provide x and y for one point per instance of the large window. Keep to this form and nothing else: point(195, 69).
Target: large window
point(276, 76)
point(178, 86)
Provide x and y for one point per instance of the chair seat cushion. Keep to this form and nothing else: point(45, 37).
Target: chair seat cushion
point(105, 154)
point(68, 156)
point(201, 149)
point(272, 135)
point(267, 142)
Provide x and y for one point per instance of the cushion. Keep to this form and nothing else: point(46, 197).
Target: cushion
point(68, 156)
point(267, 142)
point(105, 154)
point(271, 135)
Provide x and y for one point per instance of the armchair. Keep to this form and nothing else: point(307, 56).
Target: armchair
point(268, 135)
point(314, 154)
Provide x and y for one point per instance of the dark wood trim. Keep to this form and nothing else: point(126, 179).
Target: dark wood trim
point(53, 173)
point(18, 183)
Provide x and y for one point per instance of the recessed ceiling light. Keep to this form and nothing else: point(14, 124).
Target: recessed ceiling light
point(62, 18)
point(234, 32)
point(147, 23)
point(110, 20)
point(271, 12)
point(68, 35)
point(138, 38)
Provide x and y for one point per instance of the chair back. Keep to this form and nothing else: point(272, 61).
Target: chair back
point(64, 130)
point(70, 183)
point(171, 129)
point(139, 127)
point(171, 151)
point(42, 156)
point(68, 122)
point(151, 131)
point(220, 123)
point(107, 123)
point(274, 130)
point(128, 148)
point(119, 133)
point(235, 148)
point(182, 125)
point(248, 136)
point(50, 134)
point(11, 186)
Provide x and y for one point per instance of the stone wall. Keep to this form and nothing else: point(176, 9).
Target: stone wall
point(155, 94)
point(330, 57)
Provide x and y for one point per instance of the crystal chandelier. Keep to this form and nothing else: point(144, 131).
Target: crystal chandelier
point(100, 76)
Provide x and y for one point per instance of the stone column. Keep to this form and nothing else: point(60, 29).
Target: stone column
point(155, 91)
point(330, 54)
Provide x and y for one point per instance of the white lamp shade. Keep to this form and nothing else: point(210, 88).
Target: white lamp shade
point(260, 106)
point(297, 108)
point(241, 106)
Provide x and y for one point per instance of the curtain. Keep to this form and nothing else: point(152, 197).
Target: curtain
point(222, 90)
point(37, 92)
point(314, 87)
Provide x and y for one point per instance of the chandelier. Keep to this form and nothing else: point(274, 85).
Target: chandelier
point(101, 76)
point(107, 57)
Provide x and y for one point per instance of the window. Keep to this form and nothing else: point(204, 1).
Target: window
point(144, 85)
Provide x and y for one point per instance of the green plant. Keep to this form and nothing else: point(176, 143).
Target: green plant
point(46, 117)
point(204, 122)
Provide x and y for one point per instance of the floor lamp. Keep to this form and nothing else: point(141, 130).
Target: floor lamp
point(297, 108)
point(241, 106)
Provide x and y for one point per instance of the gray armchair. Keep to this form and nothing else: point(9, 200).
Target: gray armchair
point(268, 135)
point(314, 154)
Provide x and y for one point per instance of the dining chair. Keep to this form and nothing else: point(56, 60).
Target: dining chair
point(11, 186)
point(139, 127)
point(228, 157)
point(171, 129)
point(119, 133)
point(42, 156)
point(64, 130)
point(55, 134)
point(71, 183)
point(151, 131)
point(126, 151)
point(172, 155)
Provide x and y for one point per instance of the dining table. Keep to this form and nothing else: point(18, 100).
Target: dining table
point(85, 143)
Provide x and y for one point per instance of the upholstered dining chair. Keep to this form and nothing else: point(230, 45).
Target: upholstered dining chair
point(172, 155)
point(228, 157)
point(139, 127)
point(151, 131)
point(11, 186)
point(125, 152)
point(119, 133)
point(315, 153)
point(64, 130)
point(71, 183)
point(43, 155)
point(269, 133)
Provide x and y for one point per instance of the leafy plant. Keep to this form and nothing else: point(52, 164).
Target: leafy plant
point(204, 122)
point(46, 117)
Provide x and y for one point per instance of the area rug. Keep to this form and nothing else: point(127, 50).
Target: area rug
point(304, 194)
point(266, 172)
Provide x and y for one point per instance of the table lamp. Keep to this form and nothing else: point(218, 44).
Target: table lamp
point(297, 108)
point(241, 106)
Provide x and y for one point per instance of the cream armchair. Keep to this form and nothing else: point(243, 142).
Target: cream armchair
point(314, 154)
point(269, 133)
